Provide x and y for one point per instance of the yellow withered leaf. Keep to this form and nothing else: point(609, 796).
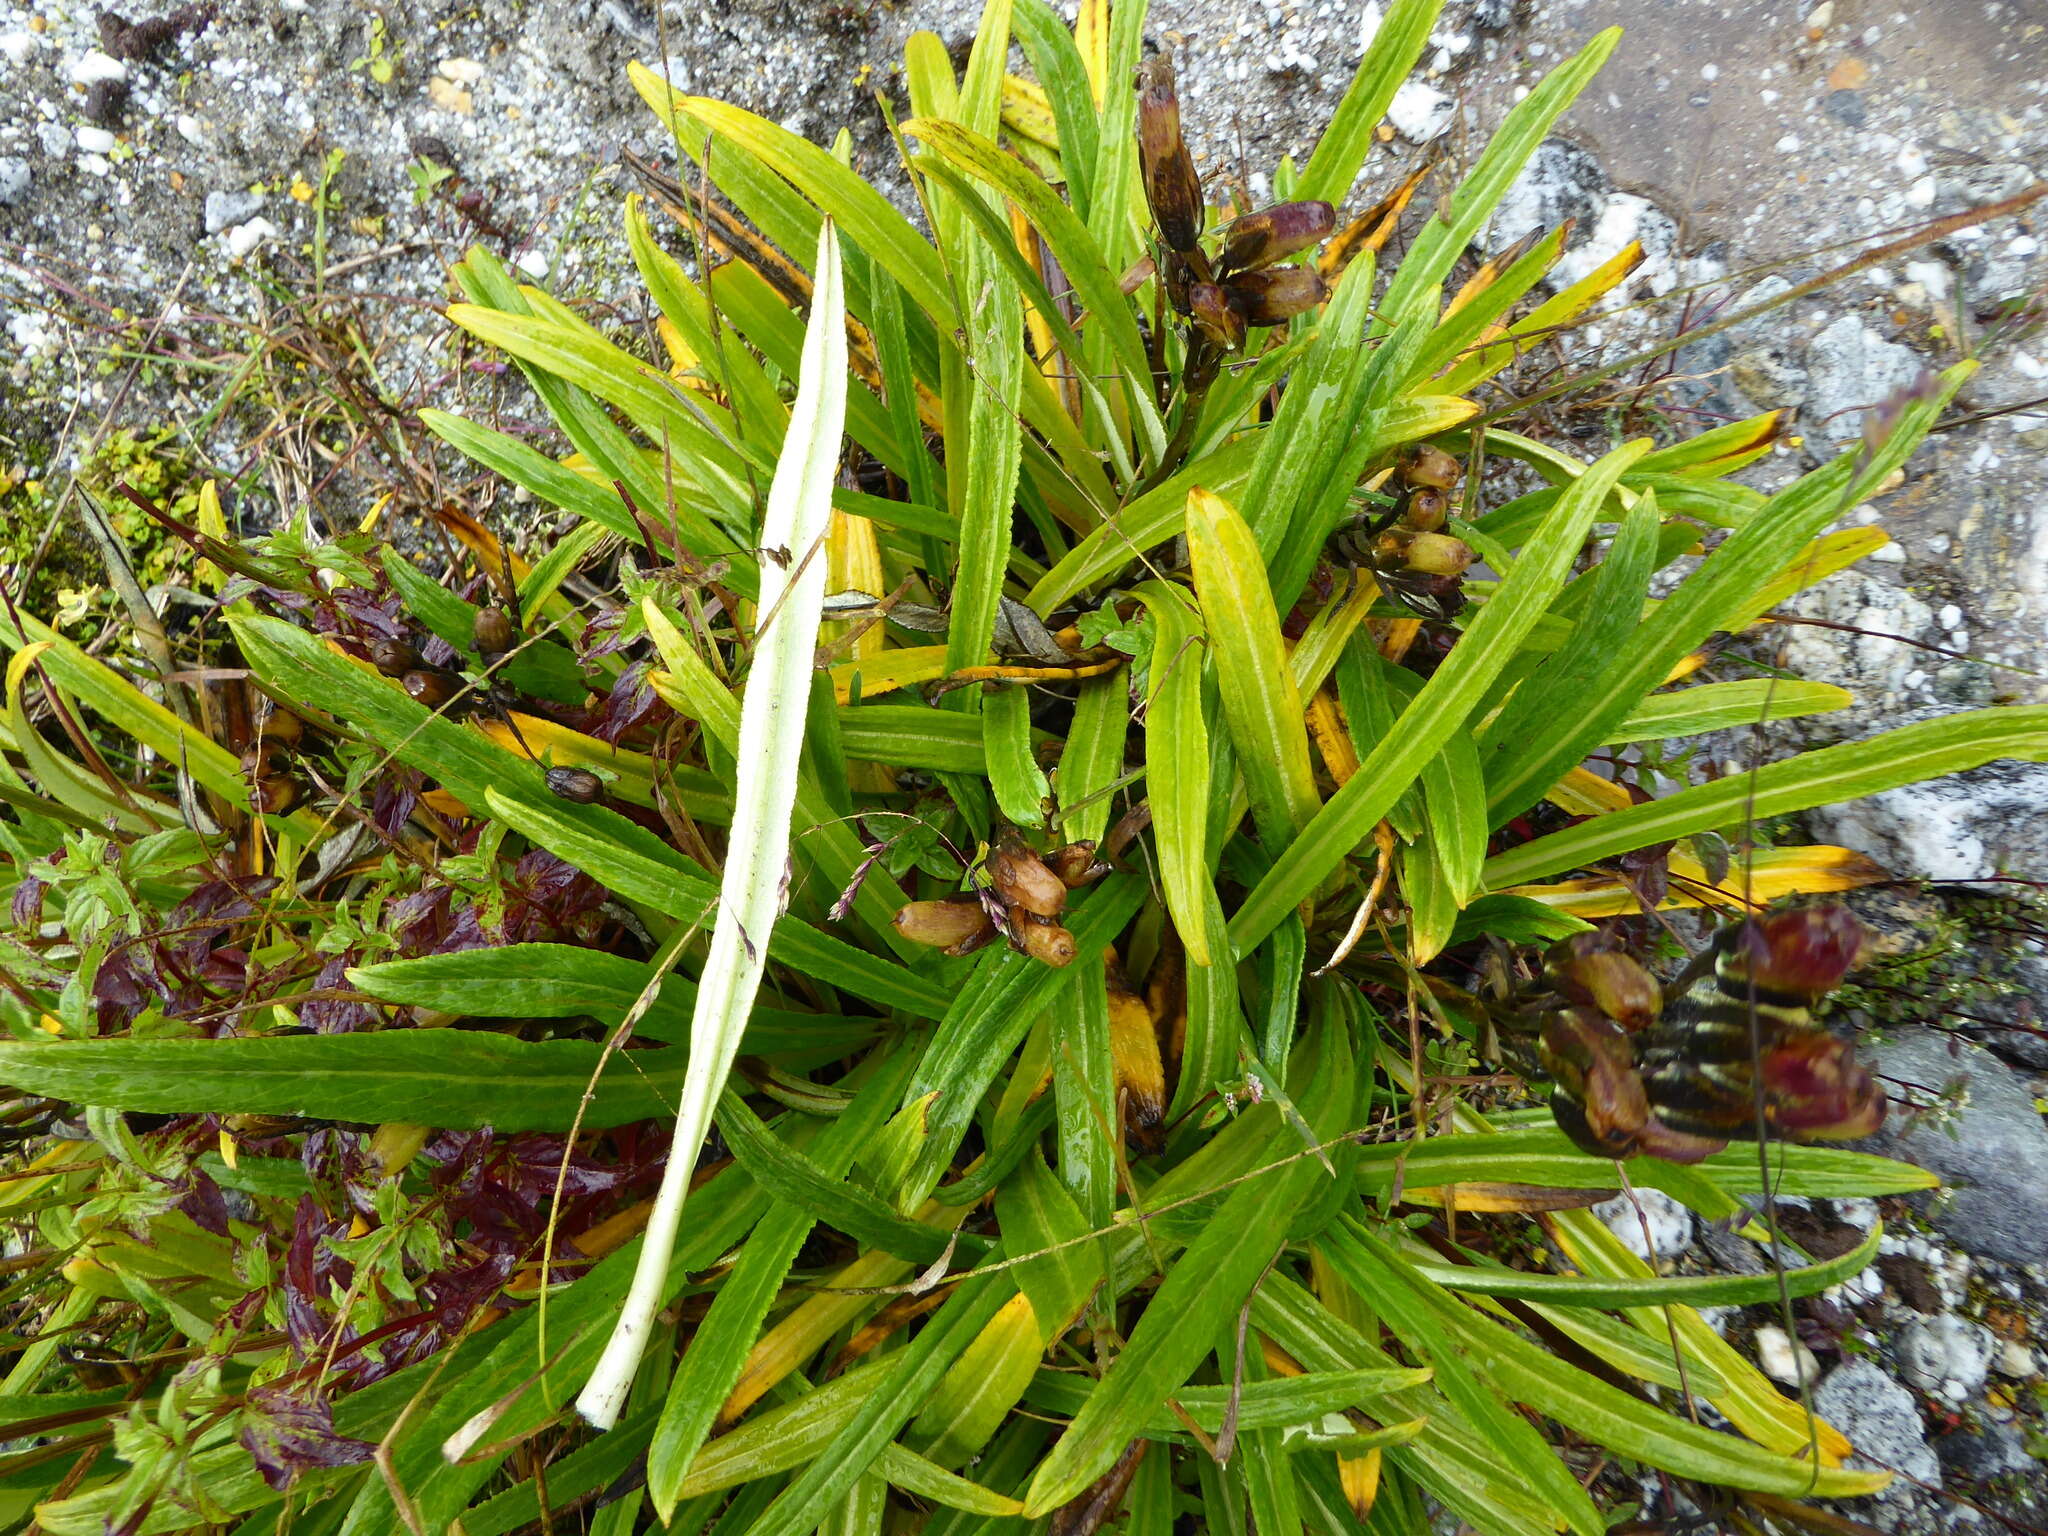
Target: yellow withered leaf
point(889, 671)
point(1494, 266)
point(1370, 231)
point(1582, 792)
point(1505, 1197)
point(1027, 112)
point(1773, 872)
point(1826, 555)
point(1360, 1478)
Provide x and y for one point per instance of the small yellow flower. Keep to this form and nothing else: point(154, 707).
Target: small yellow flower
point(73, 604)
point(302, 190)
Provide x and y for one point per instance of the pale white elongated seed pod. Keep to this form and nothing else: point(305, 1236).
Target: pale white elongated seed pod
point(772, 710)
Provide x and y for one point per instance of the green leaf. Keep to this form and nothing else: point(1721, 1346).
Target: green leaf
point(1543, 721)
point(1712, 596)
point(1665, 1290)
point(799, 1181)
point(1727, 706)
point(1438, 711)
point(1260, 702)
point(1094, 280)
point(1019, 784)
point(912, 1373)
point(718, 1349)
point(448, 1078)
point(1177, 764)
point(987, 1020)
point(563, 981)
point(1828, 776)
point(1057, 62)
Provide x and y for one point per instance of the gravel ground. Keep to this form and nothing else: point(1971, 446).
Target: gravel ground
point(191, 198)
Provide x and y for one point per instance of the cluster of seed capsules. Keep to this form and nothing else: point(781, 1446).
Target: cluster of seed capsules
point(1410, 556)
point(1243, 285)
point(1020, 895)
point(1736, 1056)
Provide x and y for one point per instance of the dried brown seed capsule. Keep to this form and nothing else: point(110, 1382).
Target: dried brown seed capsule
point(1437, 554)
point(1433, 467)
point(392, 657)
point(255, 760)
point(493, 631)
point(944, 924)
point(1076, 864)
point(275, 794)
point(577, 784)
point(1046, 942)
point(1427, 510)
point(1275, 294)
point(1816, 1090)
point(1586, 971)
point(280, 726)
point(1171, 185)
point(1273, 234)
point(1209, 308)
point(431, 688)
point(1806, 951)
point(1021, 878)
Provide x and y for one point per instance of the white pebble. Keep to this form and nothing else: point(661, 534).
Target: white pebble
point(1789, 144)
point(1949, 617)
point(2015, 1359)
point(1420, 112)
point(189, 129)
point(1783, 1360)
point(1911, 161)
point(1369, 18)
point(97, 141)
point(94, 165)
point(95, 67)
point(1710, 72)
point(244, 238)
point(532, 263)
point(2022, 245)
point(2027, 366)
point(461, 71)
point(1669, 1223)
point(17, 46)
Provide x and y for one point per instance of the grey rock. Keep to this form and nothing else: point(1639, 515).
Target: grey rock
point(1983, 1454)
point(1991, 1151)
point(1972, 186)
point(1846, 107)
point(1854, 370)
point(1769, 376)
point(1946, 1354)
point(55, 139)
point(224, 210)
point(1492, 15)
point(1880, 1418)
point(2024, 1005)
point(1561, 181)
point(1669, 1222)
point(14, 180)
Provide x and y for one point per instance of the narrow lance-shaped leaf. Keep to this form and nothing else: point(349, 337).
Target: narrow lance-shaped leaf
point(1260, 701)
point(772, 714)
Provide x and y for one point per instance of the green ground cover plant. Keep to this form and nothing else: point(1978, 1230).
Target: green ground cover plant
point(923, 966)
